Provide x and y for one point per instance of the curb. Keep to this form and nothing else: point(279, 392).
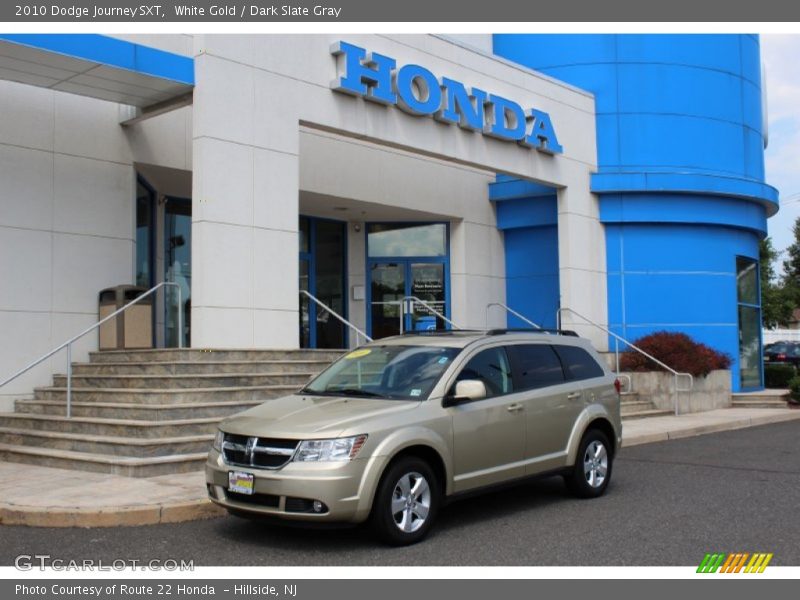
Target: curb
point(676, 434)
point(108, 516)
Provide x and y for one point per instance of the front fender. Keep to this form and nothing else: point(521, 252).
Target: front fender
point(392, 445)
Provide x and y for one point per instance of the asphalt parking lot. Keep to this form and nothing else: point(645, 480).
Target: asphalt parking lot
point(668, 504)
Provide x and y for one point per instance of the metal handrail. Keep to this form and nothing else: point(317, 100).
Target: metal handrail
point(675, 373)
point(413, 299)
point(328, 309)
point(72, 340)
point(512, 311)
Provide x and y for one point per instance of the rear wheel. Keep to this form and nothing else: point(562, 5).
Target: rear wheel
point(592, 472)
point(406, 502)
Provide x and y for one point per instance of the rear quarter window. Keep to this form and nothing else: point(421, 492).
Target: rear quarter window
point(578, 363)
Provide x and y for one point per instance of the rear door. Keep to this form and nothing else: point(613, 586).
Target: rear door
point(550, 403)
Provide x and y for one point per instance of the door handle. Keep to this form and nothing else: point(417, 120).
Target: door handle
point(514, 407)
point(574, 395)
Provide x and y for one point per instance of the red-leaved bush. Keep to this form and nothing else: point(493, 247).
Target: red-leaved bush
point(676, 350)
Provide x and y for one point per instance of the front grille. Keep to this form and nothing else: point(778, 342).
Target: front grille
point(259, 499)
point(264, 453)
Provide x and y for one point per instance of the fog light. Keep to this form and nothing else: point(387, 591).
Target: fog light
point(318, 506)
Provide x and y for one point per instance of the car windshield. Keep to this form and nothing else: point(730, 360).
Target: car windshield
point(387, 372)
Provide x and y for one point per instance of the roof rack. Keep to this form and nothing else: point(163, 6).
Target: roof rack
point(443, 332)
point(490, 331)
point(529, 330)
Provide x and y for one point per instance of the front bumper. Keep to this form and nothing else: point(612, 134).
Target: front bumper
point(345, 488)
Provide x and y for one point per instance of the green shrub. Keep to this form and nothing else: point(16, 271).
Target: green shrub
point(778, 376)
point(794, 386)
point(676, 350)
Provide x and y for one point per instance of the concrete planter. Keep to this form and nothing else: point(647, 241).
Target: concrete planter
point(709, 393)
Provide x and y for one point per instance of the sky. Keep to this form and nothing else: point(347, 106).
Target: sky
point(781, 57)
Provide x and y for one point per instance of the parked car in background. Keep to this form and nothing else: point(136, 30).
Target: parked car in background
point(396, 428)
point(782, 352)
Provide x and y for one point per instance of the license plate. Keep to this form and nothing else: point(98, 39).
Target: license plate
point(766, 359)
point(240, 482)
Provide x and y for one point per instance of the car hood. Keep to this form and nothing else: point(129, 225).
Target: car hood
point(299, 416)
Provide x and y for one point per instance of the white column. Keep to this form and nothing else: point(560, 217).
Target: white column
point(582, 261)
point(245, 208)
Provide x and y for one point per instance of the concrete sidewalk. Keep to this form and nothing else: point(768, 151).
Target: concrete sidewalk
point(46, 497)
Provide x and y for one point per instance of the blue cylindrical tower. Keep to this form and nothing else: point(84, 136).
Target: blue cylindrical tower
point(680, 138)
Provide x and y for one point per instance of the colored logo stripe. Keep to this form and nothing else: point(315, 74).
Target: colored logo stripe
point(734, 562)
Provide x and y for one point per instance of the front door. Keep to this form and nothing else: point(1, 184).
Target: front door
point(392, 281)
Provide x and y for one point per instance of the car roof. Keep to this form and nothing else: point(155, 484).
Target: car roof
point(461, 338)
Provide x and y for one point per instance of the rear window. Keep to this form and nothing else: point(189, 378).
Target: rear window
point(534, 366)
point(578, 363)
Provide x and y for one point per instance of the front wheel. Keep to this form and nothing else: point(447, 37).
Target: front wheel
point(406, 502)
point(592, 472)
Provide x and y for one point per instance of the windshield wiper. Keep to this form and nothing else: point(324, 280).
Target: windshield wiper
point(353, 392)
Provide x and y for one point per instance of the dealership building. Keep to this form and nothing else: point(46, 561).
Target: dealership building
point(493, 179)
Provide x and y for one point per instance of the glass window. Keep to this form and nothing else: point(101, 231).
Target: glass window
point(749, 338)
point(388, 372)
point(144, 235)
point(578, 363)
point(535, 366)
point(407, 239)
point(329, 282)
point(178, 268)
point(492, 368)
point(747, 280)
point(305, 234)
point(750, 353)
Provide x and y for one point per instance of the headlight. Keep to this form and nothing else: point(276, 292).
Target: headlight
point(218, 439)
point(326, 450)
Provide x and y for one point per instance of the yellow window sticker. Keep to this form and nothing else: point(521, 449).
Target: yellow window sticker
point(358, 353)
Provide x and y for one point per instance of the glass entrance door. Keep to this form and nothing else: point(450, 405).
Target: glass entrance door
point(407, 260)
point(387, 289)
point(391, 282)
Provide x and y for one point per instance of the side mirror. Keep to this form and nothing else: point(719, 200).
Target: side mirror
point(466, 390)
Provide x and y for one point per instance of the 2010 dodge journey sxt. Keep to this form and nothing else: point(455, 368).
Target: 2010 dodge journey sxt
point(395, 428)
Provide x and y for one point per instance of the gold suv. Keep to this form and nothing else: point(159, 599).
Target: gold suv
point(394, 429)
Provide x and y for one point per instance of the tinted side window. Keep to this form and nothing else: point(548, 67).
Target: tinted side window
point(578, 363)
point(535, 366)
point(492, 368)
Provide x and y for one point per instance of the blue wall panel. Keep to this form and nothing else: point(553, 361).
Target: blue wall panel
point(681, 171)
point(532, 274)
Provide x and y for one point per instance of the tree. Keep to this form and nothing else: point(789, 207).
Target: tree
point(778, 298)
point(791, 266)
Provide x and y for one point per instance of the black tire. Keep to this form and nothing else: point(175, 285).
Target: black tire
point(401, 474)
point(584, 478)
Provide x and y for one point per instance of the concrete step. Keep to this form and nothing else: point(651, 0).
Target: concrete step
point(168, 396)
point(101, 463)
point(756, 403)
point(630, 407)
point(106, 445)
point(164, 382)
point(137, 412)
point(197, 354)
point(138, 429)
point(641, 414)
point(211, 367)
